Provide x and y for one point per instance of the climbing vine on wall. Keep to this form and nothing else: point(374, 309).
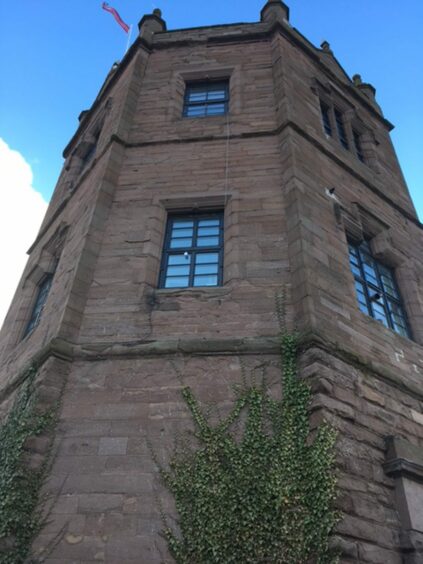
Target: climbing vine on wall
point(20, 485)
point(264, 496)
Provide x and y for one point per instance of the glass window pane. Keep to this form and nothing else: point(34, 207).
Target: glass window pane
point(205, 280)
point(199, 96)
point(181, 232)
point(180, 243)
point(216, 109)
point(207, 241)
point(208, 222)
point(401, 330)
point(180, 223)
point(353, 250)
point(178, 270)
point(206, 269)
point(359, 288)
point(369, 270)
point(202, 258)
point(195, 111)
point(179, 259)
point(218, 94)
point(379, 312)
point(354, 260)
point(364, 308)
point(202, 231)
point(397, 313)
point(177, 282)
point(356, 270)
point(380, 316)
point(388, 281)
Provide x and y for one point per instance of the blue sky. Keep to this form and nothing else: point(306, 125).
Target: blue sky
point(55, 55)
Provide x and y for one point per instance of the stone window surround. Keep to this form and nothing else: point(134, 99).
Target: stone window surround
point(389, 249)
point(77, 162)
point(46, 264)
point(202, 202)
point(193, 250)
point(197, 74)
point(332, 98)
point(221, 104)
point(375, 293)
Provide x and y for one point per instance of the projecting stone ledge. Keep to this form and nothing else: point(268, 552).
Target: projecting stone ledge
point(201, 345)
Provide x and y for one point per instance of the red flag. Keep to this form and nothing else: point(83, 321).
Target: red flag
point(119, 20)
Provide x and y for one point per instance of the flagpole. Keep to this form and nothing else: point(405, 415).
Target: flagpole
point(129, 39)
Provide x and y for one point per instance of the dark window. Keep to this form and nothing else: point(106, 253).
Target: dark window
point(206, 99)
point(376, 289)
point(357, 144)
point(341, 129)
point(325, 118)
point(193, 251)
point(40, 301)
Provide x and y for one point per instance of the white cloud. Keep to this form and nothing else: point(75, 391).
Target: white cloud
point(21, 212)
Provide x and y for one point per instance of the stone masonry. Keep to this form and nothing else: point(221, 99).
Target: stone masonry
point(290, 195)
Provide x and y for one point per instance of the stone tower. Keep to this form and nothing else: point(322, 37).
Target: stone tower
point(216, 166)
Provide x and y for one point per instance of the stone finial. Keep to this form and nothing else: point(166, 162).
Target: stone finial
point(151, 24)
point(325, 46)
point(357, 80)
point(368, 89)
point(275, 11)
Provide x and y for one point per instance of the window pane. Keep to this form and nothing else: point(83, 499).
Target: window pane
point(208, 222)
point(369, 270)
point(398, 317)
point(216, 109)
point(197, 96)
point(202, 258)
point(379, 313)
point(176, 232)
point(194, 111)
point(364, 308)
point(42, 295)
point(353, 250)
point(341, 129)
point(179, 223)
point(205, 280)
point(388, 281)
point(325, 118)
point(202, 231)
point(180, 243)
point(179, 259)
point(206, 269)
point(357, 143)
point(356, 270)
point(178, 270)
point(354, 260)
point(207, 241)
point(177, 282)
point(217, 94)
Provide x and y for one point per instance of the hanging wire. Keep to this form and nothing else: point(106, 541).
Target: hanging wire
point(228, 135)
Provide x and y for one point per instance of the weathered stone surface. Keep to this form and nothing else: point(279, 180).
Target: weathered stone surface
point(124, 348)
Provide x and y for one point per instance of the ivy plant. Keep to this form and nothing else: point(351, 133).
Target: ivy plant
point(265, 495)
point(20, 485)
